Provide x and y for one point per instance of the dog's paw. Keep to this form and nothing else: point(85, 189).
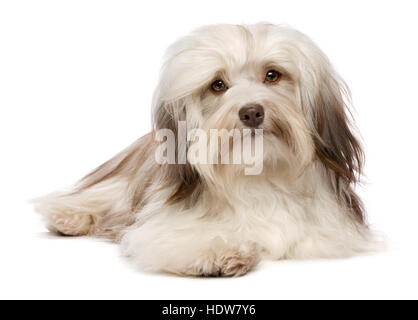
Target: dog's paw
point(69, 224)
point(230, 263)
point(63, 215)
point(238, 263)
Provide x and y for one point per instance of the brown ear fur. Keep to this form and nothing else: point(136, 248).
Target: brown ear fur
point(136, 164)
point(336, 146)
point(187, 181)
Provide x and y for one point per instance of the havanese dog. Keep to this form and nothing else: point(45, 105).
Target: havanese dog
point(253, 155)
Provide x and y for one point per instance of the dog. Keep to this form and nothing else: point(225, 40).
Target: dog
point(270, 83)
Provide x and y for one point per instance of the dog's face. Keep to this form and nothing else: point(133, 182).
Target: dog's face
point(260, 76)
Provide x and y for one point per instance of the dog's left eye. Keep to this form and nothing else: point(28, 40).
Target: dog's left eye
point(272, 76)
point(218, 86)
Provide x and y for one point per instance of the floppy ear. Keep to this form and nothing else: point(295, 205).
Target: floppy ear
point(183, 177)
point(336, 145)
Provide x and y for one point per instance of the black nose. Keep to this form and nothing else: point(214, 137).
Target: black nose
point(252, 115)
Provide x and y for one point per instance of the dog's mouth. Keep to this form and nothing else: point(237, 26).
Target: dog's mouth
point(261, 130)
point(253, 131)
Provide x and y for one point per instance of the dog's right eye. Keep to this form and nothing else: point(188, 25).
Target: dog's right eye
point(218, 86)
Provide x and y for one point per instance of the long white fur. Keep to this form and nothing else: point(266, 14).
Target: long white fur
point(288, 212)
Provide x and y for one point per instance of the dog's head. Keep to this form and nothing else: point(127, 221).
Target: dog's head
point(262, 77)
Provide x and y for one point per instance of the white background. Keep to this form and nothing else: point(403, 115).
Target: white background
point(76, 81)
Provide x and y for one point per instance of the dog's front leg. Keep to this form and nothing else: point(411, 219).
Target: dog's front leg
point(189, 248)
point(224, 261)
